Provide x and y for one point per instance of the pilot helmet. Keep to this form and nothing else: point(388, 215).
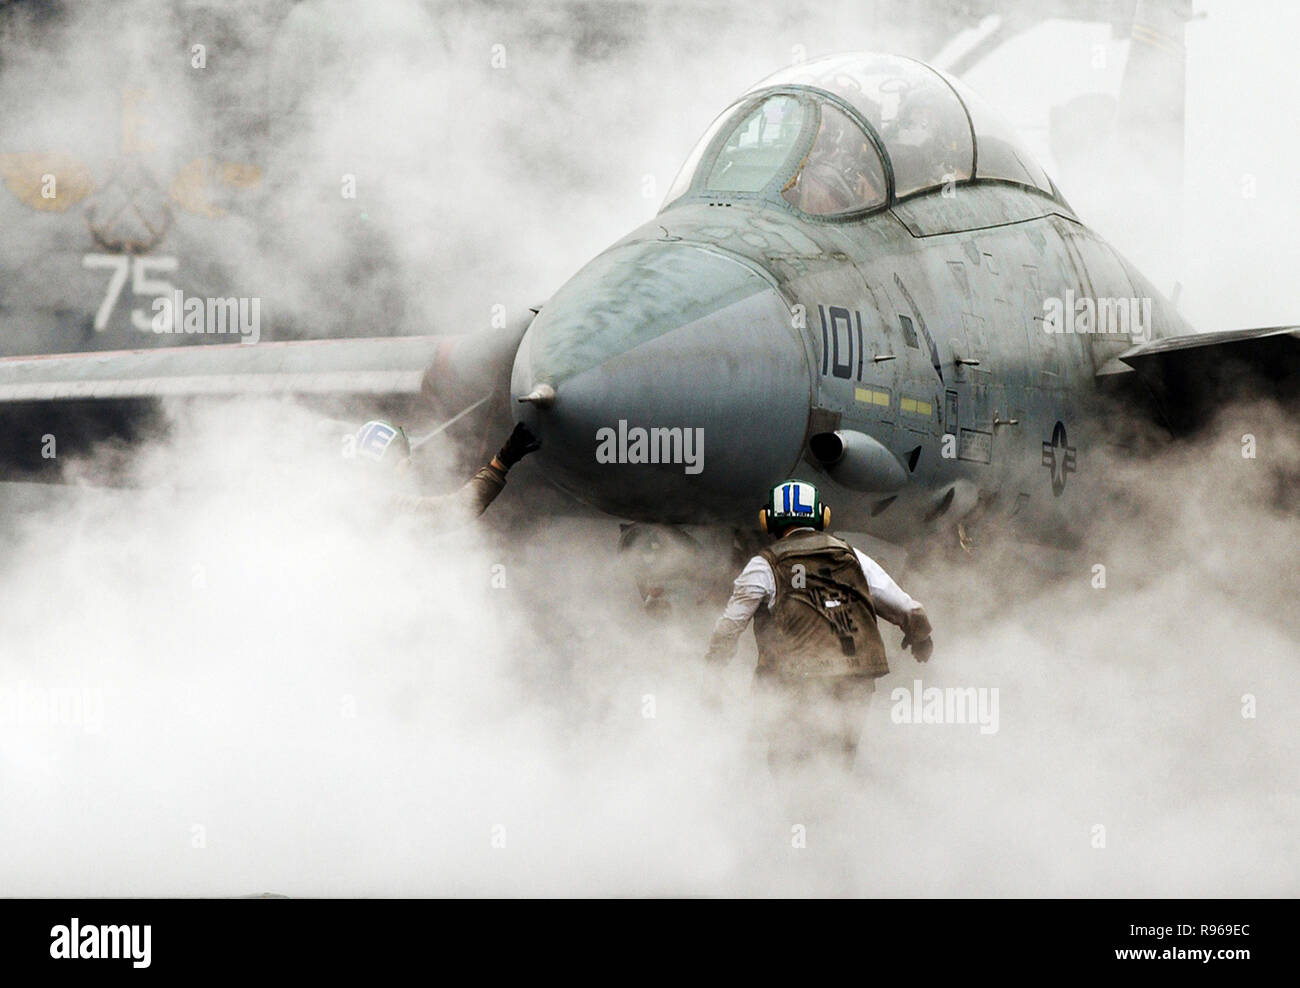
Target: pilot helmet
point(920, 115)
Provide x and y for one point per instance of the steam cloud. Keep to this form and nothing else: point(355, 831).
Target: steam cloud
point(302, 693)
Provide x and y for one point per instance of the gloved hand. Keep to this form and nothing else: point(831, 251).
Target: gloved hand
point(921, 650)
point(520, 444)
point(917, 635)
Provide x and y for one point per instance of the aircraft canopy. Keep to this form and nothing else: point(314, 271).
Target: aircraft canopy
point(785, 136)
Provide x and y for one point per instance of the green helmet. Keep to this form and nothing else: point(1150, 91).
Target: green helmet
point(794, 503)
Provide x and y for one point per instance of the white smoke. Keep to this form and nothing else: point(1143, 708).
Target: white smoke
point(282, 686)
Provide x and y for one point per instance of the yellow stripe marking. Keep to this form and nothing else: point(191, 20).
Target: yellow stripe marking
point(915, 405)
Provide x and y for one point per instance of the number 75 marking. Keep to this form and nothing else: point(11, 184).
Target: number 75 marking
point(140, 269)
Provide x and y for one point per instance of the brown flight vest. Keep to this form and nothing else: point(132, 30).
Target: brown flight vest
point(822, 621)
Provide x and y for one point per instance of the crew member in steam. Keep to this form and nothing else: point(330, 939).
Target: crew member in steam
point(814, 600)
point(386, 444)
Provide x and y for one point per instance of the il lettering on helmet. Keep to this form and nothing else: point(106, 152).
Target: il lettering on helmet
point(798, 499)
point(374, 440)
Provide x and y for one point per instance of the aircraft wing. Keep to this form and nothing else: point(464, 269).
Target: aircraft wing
point(384, 366)
point(90, 396)
point(1191, 377)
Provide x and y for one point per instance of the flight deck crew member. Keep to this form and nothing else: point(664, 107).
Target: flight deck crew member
point(814, 600)
point(385, 443)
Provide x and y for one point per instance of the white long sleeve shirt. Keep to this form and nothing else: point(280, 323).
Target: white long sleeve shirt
point(756, 586)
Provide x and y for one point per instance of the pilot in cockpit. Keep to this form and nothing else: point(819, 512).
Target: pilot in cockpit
point(920, 137)
point(840, 173)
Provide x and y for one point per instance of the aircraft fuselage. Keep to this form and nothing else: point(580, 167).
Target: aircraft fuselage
point(937, 328)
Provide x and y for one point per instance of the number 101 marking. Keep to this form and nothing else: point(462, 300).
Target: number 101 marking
point(140, 269)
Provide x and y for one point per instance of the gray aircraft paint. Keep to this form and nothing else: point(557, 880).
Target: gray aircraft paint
point(972, 268)
point(917, 324)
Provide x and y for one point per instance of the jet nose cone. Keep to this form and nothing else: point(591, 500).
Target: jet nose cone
point(666, 382)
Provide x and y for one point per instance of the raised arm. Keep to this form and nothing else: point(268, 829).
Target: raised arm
point(897, 607)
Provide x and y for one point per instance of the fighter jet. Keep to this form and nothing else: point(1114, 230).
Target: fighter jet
point(860, 275)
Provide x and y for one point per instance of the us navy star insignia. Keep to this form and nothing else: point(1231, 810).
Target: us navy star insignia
point(1059, 457)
